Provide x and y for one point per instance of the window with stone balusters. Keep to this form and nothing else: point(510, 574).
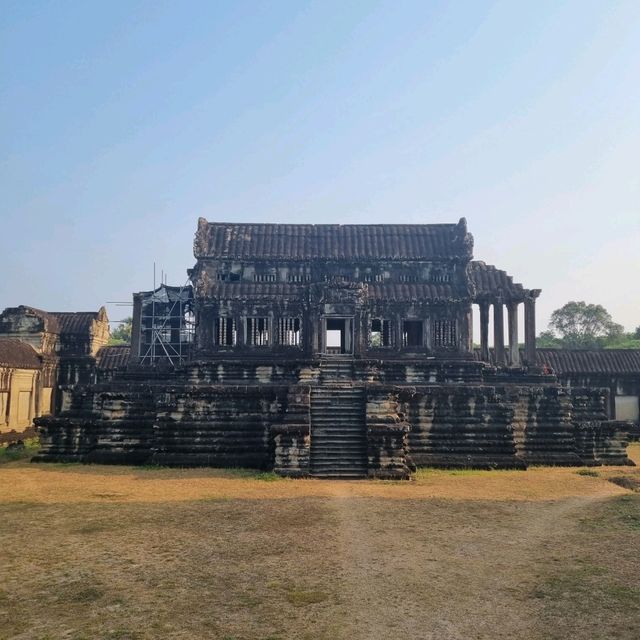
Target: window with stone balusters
point(258, 334)
point(225, 332)
point(288, 331)
point(445, 334)
point(380, 333)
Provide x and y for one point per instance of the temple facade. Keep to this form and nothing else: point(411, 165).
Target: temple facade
point(335, 351)
point(43, 356)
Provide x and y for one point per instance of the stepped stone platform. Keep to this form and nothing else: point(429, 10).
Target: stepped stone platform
point(319, 419)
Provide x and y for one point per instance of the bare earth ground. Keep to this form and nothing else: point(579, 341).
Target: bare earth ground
point(93, 552)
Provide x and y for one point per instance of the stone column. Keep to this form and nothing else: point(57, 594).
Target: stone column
point(320, 332)
point(348, 336)
point(465, 341)
point(484, 331)
point(498, 332)
point(514, 352)
point(398, 328)
point(530, 327)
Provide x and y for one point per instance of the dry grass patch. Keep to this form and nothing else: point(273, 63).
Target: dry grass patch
point(92, 552)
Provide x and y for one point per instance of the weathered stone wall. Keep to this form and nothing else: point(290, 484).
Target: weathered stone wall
point(541, 422)
point(101, 425)
point(617, 384)
point(254, 415)
point(387, 431)
point(291, 439)
point(459, 426)
point(598, 440)
point(417, 372)
point(220, 426)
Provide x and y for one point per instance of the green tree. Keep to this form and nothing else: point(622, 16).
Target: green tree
point(122, 333)
point(625, 341)
point(578, 325)
point(546, 340)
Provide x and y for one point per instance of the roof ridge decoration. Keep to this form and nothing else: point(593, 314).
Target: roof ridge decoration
point(488, 282)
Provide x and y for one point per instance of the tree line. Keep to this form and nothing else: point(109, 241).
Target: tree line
point(578, 325)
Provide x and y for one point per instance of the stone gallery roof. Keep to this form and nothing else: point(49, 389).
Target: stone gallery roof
point(489, 281)
point(18, 355)
point(614, 361)
point(113, 356)
point(332, 241)
point(60, 322)
point(78, 321)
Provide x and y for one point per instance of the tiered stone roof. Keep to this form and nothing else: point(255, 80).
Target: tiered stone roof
point(332, 241)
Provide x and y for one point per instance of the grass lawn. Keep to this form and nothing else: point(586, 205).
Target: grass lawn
point(93, 552)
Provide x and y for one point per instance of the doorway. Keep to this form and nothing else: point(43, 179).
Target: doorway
point(338, 336)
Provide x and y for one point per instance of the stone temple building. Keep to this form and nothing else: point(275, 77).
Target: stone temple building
point(44, 355)
point(335, 351)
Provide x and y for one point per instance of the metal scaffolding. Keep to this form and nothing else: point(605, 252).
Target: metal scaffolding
point(166, 325)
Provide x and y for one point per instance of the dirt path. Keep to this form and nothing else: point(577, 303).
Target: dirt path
point(401, 583)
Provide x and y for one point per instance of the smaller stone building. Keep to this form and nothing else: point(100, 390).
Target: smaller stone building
point(617, 370)
point(43, 356)
point(26, 389)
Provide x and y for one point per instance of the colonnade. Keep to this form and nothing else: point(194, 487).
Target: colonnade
point(509, 354)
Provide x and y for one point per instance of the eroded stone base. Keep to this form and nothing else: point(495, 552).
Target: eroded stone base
point(191, 418)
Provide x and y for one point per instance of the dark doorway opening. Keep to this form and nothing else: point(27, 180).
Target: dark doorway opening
point(412, 333)
point(338, 336)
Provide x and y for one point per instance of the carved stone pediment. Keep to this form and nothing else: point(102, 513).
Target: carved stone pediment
point(340, 292)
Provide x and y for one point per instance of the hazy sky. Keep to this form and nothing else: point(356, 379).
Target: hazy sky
point(122, 122)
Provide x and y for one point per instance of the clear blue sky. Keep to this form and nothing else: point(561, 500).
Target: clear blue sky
point(122, 122)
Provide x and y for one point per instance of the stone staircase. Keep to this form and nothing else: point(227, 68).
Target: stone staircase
point(338, 423)
point(336, 370)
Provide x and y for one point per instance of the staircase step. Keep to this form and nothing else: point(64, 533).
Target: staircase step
point(319, 438)
point(338, 429)
point(341, 475)
point(355, 463)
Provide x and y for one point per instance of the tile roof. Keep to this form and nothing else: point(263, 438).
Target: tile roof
point(332, 241)
point(78, 321)
point(614, 361)
point(489, 280)
point(585, 361)
point(17, 354)
point(115, 356)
